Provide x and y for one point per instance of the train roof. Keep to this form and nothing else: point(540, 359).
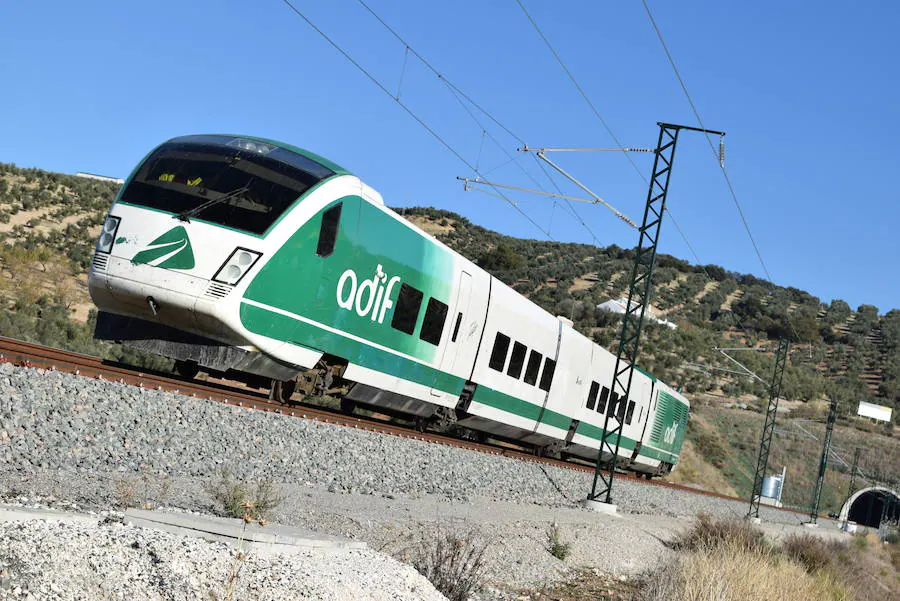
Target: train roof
point(338, 170)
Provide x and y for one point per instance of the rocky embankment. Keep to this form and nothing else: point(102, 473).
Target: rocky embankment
point(104, 444)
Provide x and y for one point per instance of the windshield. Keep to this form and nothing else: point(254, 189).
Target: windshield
point(251, 188)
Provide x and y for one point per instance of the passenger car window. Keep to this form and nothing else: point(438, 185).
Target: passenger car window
point(407, 312)
point(592, 395)
point(498, 354)
point(517, 361)
point(534, 366)
point(433, 322)
point(547, 374)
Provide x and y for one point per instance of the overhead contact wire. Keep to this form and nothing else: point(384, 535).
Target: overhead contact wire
point(409, 111)
point(464, 98)
point(712, 147)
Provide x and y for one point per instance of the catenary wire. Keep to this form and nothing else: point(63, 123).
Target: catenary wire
point(615, 138)
point(461, 95)
point(409, 111)
point(712, 147)
point(463, 99)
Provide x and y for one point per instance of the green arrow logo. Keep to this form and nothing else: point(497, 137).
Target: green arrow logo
point(172, 250)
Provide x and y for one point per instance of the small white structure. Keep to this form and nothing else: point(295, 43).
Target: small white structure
point(618, 306)
point(102, 178)
point(876, 412)
point(772, 487)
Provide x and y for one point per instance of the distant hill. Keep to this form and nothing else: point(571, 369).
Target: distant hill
point(49, 221)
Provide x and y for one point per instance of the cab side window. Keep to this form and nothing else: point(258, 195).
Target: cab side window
point(331, 219)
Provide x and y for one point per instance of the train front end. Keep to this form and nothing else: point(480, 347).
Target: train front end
point(183, 239)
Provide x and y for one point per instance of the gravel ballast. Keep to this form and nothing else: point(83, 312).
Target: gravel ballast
point(56, 421)
point(101, 444)
point(109, 560)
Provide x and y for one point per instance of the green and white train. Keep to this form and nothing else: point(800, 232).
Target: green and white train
point(258, 259)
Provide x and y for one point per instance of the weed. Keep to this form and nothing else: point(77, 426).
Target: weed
point(811, 552)
point(235, 499)
point(707, 533)
point(453, 564)
point(145, 490)
point(555, 545)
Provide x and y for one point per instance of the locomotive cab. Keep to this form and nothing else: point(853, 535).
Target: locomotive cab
point(190, 226)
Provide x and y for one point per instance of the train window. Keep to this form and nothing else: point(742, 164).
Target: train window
point(498, 355)
point(329, 229)
point(433, 323)
point(407, 312)
point(630, 413)
point(534, 366)
point(456, 327)
point(517, 360)
point(547, 374)
point(592, 395)
point(601, 404)
point(620, 409)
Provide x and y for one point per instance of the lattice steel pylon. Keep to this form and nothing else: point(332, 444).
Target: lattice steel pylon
point(823, 463)
point(853, 471)
point(765, 441)
point(635, 309)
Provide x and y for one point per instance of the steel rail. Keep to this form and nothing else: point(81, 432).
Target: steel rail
point(27, 354)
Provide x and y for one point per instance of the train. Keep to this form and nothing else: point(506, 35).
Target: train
point(254, 259)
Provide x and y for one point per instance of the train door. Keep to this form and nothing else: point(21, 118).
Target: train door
point(451, 360)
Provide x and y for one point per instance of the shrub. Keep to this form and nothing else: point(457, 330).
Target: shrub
point(708, 533)
point(235, 499)
point(811, 552)
point(453, 564)
point(555, 545)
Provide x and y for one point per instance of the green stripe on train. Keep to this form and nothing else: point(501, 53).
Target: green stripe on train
point(356, 287)
point(294, 331)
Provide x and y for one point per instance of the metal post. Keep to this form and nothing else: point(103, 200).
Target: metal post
point(765, 441)
point(635, 309)
point(823, 463)
point(856, 454)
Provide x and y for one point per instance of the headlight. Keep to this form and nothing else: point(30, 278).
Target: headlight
point(108, 234)
point(237, 266)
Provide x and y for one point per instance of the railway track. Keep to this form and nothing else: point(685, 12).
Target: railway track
point(27, 354)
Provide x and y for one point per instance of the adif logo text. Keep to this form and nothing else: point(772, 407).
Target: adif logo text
point(369, 297)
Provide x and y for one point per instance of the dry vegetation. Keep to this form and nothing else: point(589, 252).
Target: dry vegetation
point(730, 560)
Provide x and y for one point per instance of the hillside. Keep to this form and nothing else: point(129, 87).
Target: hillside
point(48, 222)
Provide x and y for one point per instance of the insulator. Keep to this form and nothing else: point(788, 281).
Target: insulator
point(721, 151)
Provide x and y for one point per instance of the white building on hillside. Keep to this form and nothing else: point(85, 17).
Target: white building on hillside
point(102, 178)
point(618, 306)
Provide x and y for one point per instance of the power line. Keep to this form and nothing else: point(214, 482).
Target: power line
point(409, 111)
point(464, 98)
point(712, 147)
point(615, 138)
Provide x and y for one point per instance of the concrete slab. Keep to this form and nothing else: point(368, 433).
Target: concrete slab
point(271, 538)
point(15, 513)
point(605, 508)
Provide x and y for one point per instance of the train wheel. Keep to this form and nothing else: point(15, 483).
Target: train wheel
point(282, 390)
point(347, 406)
point(187, 369)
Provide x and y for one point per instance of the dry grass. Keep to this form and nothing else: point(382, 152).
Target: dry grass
point(236, 500)
point(731, 572)
point(556, 546)
point(453, 564)
point(810, 552)
point(711, 534)
point(730, 560)
point(695, 470)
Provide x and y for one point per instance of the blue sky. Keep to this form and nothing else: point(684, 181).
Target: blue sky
point(806, 91)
